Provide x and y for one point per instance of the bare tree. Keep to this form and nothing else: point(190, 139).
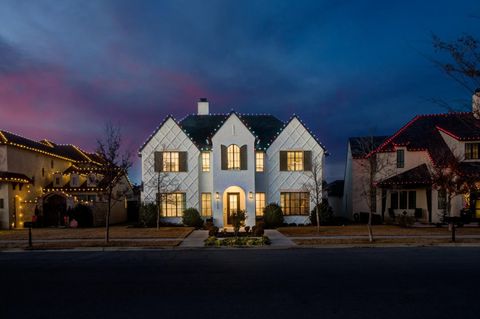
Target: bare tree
point(370, 166)
point(459, 60)
point(164, 183)
point(115, 167)
point(314, 187)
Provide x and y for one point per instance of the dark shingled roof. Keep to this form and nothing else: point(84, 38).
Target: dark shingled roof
point(362, 145)
point(68, 151)
point(200, 128)
point(416, 176)
point(14, 177)
point(335, 188)
point(422, 134)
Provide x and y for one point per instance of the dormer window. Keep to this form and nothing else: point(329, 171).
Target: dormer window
point(74, 180)
point(92, 180)
point(400, 158)
point(57, 180)
point(471, 151)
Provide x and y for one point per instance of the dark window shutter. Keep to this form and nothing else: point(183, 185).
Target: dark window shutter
point(183, 164)
point(158, 158)
point(243, 158)
point(283, 160)
point(224, 157)
point(307, 160)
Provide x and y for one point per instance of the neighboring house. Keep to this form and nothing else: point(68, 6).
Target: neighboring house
point(220, 163)
point(356, 183)
point(409, 158)
point(335, 196)
point(47, 179)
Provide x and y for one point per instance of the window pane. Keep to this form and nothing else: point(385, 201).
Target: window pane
point(394, 200)
point(259, 161)
point(295, 203)
point(412, 199)
point(171, 162)
point(206, 204)
point(403, 200)
point(233, 157)
point(172, 205)
point(259, 203)
point(400, 158)
point(205, 161)
point(295, 161)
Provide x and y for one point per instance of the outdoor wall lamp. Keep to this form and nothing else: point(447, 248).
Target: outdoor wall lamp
point(217, 196)
point(250, 195)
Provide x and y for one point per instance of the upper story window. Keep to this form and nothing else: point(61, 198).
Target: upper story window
point(471, 151)
point(259, 161)
point(205, 161)
point(57, 180)
point(400, 158)
point(233, 157)
point(74, 181)
point(295, 161)
point(170, 161)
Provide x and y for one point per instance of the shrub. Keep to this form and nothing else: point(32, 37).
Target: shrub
point(213, 231)
point(237, 241)
point(325, 214)
point(258, 229)
point(148, 215)
point(405, 220)
point(273, 216)
point(247, 229)
point(191, 217)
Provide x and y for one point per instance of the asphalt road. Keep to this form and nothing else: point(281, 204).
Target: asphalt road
point(297, 283)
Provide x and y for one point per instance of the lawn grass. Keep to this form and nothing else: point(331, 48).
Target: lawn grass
point(120, 232)
point(380, 241)
point(378, 230)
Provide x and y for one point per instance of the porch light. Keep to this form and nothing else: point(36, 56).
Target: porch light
point(217, 196)
point(250, 195)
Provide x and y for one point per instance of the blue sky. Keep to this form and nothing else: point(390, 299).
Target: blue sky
point(347, 68)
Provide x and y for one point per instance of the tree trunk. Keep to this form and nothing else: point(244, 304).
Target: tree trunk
point(107, 221)
point(369, 226)
point(158, 216)
point(318, 219)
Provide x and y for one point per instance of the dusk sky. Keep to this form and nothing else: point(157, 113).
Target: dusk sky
point(347, 68)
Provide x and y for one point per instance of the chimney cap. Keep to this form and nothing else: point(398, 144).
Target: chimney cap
point(203, 99)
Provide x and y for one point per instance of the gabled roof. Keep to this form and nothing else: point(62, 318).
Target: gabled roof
point(10, 177)
point(360, 146)
point(422, 134)
point(419, 175)
point(201, 128)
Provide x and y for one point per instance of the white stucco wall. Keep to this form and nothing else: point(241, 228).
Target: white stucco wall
point(233, 131)
point(293, 137)
point(170, 137)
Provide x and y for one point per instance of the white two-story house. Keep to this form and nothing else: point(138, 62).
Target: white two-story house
point(221, 163)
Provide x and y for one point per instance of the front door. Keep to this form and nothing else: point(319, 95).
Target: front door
point(233, 205)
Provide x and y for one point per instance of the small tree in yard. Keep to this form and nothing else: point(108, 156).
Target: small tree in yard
point(369, 166)
point(314, 187)
point(238, 220)
point(114, 169)
point(449, 177)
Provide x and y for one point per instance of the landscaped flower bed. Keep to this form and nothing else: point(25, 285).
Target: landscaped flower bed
point(213, 241)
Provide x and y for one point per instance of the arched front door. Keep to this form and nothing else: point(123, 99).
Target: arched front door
point(54, 210)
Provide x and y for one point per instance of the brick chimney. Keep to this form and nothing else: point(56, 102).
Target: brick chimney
point(203, 107)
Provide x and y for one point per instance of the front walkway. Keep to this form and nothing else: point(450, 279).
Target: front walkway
point(195, 239)
point(278, 239)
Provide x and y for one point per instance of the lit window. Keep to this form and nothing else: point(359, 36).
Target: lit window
point(471, 151)
point(295, 161)
point(172, 205)
point(206, 204)
point(400, 158)
point(205, 162)
point(171, 162)
point(295, 203)
point(259, 161)
point(233, 157)
point(259, 203)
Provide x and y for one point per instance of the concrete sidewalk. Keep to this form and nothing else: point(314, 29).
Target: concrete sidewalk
point(385, 237)
point(195, 239)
